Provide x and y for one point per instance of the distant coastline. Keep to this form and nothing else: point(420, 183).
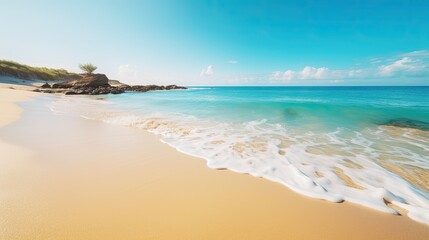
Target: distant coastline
point(50, 80)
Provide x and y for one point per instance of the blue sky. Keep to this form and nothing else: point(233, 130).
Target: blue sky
point(209, 42)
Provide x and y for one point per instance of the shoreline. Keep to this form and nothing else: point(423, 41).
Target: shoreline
point(9, 98)
point(154, 185)
point(10, 113)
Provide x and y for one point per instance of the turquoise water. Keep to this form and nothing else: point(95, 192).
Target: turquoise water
point(367, 145)
point(326, 107)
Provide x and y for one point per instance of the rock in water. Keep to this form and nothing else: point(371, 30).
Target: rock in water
point(146, 88)
point(171, 87)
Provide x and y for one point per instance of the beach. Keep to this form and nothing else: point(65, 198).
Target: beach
point(214, 120)
point(66, 177)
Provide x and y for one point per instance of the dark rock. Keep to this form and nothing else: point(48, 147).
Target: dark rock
point(139, 88)
point(117, 91)
point(46, 85)
point(93, 80)
point(93, 90)
point(48, 91)
point(88, 80)
point(172, 87)
point(100, 90)
point(62, 85)
point(71, 93)
point(124, 87)
point(146, 88)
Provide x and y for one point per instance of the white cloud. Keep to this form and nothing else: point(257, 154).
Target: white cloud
point(418, 54)
point(207, 72)
point(405, 64)
point(289, 75)
point(312, 73)
point(232, 62)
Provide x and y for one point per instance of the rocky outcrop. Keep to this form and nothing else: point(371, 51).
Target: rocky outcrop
point(89, 84)
point(174, 87)
point(93, 91)
point(92, 80)
point(146, 88)
point(96, 84)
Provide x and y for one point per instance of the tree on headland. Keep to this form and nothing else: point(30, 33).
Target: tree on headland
point(87, 68)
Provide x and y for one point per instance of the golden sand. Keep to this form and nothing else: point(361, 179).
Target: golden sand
point(72, 178)
point(10, 112)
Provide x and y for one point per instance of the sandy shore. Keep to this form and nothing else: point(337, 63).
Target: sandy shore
point(63, 177)
point(10, 112)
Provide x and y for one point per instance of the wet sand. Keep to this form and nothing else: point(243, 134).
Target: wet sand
point(69, 178)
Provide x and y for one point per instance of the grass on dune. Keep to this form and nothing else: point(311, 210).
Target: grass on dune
point(14, 69)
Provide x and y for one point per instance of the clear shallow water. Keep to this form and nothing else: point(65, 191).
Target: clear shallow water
point(367, 145)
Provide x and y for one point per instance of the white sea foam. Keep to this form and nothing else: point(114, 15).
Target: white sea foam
point(342, 165)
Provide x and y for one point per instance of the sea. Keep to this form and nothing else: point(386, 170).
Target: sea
point(365, 145)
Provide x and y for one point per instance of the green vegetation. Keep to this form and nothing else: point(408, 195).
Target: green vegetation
point(87, 68)
point(14, 69)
